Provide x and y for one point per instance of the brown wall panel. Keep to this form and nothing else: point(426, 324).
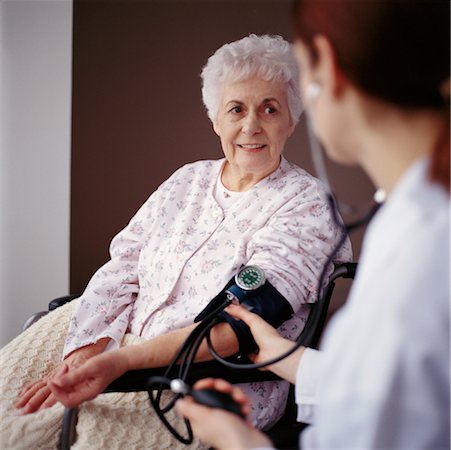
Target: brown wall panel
point(137, 108)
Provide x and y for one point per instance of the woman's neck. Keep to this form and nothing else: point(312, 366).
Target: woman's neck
point(393, 139)
point(236, 179)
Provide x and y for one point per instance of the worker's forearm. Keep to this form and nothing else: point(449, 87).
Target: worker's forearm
point(287, 368)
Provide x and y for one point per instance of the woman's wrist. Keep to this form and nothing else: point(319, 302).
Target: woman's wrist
point(87, 351)
point(97, 347)
point(123, 359)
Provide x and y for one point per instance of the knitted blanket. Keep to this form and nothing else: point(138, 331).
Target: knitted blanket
point(111, 421)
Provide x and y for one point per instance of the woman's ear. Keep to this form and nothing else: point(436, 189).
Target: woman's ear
point(327, 71)
point(216, 128)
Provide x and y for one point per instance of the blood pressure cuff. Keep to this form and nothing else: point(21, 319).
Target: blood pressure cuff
point(269, 304)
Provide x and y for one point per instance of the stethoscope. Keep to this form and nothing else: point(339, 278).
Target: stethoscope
point(188, 350)
point(317, 155)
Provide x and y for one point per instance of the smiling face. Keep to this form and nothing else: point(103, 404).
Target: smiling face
point(253, 124)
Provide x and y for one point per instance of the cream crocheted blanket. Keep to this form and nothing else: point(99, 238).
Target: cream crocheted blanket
point(111, 421)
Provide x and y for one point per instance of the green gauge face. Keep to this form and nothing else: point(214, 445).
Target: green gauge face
point(250, 278)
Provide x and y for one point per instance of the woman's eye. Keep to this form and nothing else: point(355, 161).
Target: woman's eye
point(236, 110)
point(270, 110)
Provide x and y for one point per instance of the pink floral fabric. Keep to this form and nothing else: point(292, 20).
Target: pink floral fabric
point(181, 249)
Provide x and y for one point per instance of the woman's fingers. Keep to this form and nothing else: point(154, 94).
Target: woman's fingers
point(38, 394)
point(51, 400)
point(27, 388)
point(35, 402)
point(30, 386)
point(29, 392)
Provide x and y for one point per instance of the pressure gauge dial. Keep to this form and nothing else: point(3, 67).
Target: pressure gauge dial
point(250, 278)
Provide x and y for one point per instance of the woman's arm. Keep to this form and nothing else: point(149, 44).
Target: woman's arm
point(86, 382)
point(91, 379)
point(101, 314)
point(293, 247)
point(104, 309)
point(160, 351)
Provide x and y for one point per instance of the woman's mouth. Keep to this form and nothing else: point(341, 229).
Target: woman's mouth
point(252, 148)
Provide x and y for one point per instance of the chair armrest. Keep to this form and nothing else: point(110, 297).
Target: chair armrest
point(344, 270)
point(136, 380)
point(60, 301)
point(34, 318)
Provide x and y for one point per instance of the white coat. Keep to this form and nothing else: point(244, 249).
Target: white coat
point(383, 379)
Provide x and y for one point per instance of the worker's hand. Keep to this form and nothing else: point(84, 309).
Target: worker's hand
point(37, 395)
point(217, 427)
point(270, 343)
point(73, 387)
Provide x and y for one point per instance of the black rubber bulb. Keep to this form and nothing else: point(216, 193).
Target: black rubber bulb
point(216, 399)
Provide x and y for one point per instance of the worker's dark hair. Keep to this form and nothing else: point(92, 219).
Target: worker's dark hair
point(395, 50)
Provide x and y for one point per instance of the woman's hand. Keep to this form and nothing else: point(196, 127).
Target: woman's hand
point(219, 428)
point(37, 394)
point(84, 383)
point(270, 343)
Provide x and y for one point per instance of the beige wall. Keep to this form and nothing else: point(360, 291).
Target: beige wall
point(36, 57)
point(137, 109)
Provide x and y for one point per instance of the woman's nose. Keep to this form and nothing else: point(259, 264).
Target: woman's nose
point(251, 124)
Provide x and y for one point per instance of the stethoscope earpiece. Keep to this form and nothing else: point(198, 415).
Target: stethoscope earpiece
point(312, 91)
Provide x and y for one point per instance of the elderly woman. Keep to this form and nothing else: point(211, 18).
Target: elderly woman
point(180, 250)
point(382, 379)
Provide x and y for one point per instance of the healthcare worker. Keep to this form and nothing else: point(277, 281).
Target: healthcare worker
point(375, 76)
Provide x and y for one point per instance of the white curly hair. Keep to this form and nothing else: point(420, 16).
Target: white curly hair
point(268, 57)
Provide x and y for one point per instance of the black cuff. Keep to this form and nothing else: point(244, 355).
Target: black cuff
point(269, 304)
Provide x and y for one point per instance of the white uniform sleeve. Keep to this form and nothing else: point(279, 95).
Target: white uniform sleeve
point(306, 387)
